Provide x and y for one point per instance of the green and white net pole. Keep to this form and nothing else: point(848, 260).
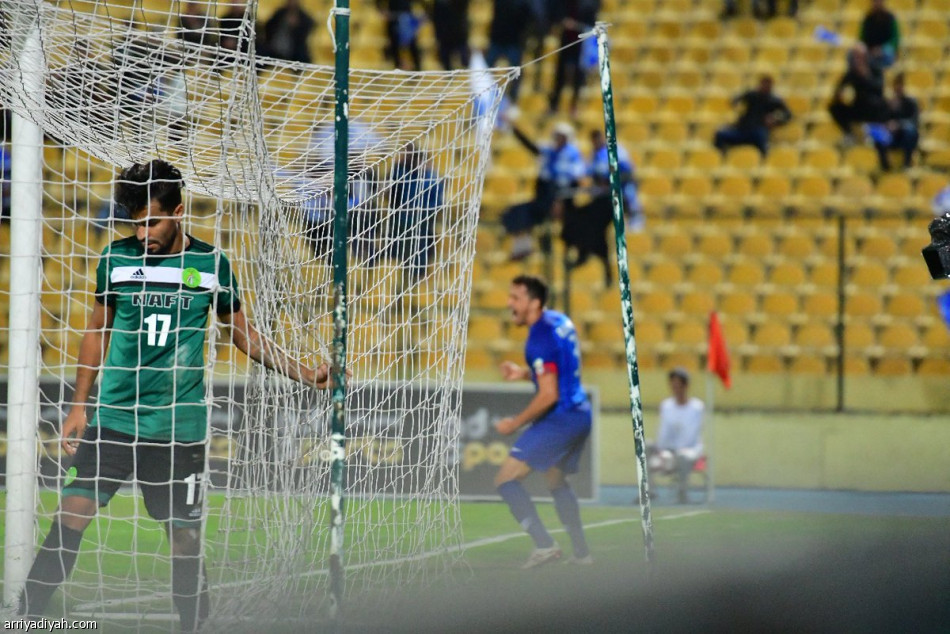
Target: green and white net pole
point(633, 373)
point(341, 14)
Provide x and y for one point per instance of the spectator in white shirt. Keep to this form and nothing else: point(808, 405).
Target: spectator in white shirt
point(679, 441)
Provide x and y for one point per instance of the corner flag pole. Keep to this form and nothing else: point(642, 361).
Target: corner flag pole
point(633, 373)
point(341, 48)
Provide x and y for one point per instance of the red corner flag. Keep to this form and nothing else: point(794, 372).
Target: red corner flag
point(718, 357)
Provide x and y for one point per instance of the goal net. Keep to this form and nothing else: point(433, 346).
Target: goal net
point(120, 83)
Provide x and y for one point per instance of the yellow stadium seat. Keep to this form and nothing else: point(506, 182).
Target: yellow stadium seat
point(665, 273)
point(783, 159)
point(933, 27)
point(919, 81)
point(808, 365)
point(764, 363)
point(929, 184)
point(704, 159)
point(756, 245)
point(478, 359)
point(746, 274)
point(815, 336)
point(734, 331)
point(658, 302)
point(814, 188)
point(861, 159)
point(715, 245)
point(737, 303)
point(822, 160)
point(893, 366)
point(869, 274)
point(937, 336)
point(655, 187)
point(911, 275)
point(879, 247)
point(860, 304)
point(779, 304)
point(648, 331)
point(726, 77)
point(665, 159)
point(774, 188)
point(783, 28)
point(688, 333)
point(672, 132)
point(894, 186)
point(858, 335)
point(675, 244)
point(797, 246)
point(706, 273)
point(607, 331)
point(820, 304)
point(698, 303)
point(789, 274)
point(898, 336)
point(854, 365)
point(683, 104)
point(934, 367)
point(494, 298)
point(743, 157)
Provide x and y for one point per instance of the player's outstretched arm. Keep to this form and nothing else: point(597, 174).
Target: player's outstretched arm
point(94, 342)
point(545, 398)
point(511, 371)
point(251, 342)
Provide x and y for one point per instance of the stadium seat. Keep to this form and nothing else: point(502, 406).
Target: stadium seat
point(937, 337)
point(706, 273)
point(673, 133)
point(782, 159)
point(756, 245)
point(934, 367)
point(675, 245)
point(858, 335)
point(697, 303)
point(863, 304)
point(815, 336)
point(855, 365)
point(820, 304)
point(772, 334)
point(879, 247)
point(862, 160)
point(798, 246)
point(868, 274)
point(600, 360)
point(746, 273)
point(898, 336)
point(764, 363)
point(894, 186)
point(807, 364)
point(666, 160)
point(658, 303)
point(704, 160)
point(665, 274)
point(822, 160)
point(787, 274)
point(478, 359)
point(893, 366)
point(649, 331)
point(744, 158)
point(780, 304)
point(689, 333)
point(494, 298)
point(607, 331)
point(911, 275)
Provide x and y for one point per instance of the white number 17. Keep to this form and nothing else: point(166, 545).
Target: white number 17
point(158, 327)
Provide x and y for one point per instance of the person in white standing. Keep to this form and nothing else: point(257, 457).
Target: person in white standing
point(679, 442)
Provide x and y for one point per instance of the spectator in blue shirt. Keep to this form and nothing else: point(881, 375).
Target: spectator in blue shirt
point(561, 169)
point(415, 197)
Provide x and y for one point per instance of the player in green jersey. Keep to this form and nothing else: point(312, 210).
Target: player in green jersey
point(146, 332)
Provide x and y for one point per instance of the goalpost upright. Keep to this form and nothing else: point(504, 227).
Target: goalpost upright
point(26, 200)
point(341, 52)
point(626, 302)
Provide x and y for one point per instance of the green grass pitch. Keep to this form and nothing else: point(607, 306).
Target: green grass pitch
point(697, 550)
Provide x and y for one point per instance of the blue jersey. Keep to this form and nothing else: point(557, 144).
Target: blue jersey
point(552, 346)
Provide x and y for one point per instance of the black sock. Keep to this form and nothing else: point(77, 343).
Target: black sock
point(188, 575)
point(565, 503)
point(51, 567)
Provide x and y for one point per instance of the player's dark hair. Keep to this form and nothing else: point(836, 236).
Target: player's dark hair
point(535, 286)
point(142, 183)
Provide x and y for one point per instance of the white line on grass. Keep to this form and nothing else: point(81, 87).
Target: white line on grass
point(88, 609)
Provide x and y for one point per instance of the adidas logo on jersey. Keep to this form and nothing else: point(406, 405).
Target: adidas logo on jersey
point(138, 275)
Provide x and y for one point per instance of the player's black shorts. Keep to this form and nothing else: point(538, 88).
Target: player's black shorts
point(170, 475)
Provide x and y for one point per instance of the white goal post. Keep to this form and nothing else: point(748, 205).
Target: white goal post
point(112, 82)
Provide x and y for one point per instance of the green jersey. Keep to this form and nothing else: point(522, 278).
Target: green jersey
point(153, 377)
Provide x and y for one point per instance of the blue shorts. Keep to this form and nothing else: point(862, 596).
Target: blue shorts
point(554, 441)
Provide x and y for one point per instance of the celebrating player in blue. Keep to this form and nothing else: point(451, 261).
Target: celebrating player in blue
point(560, 419)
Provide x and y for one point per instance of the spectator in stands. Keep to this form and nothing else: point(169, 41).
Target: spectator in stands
point(561, 169)
point(900, 130)
point(402, 27)
point(415, 198)
point(507, 34)
point(286, 33)
point(451, 25)
point(866, 81)
point(762, 111)
point(235, 29)
point(579, 17)
point(880, 33)
point(760, 8)
point(546, 13)
point(679, 442)
point(585, 227)
point(197, 25)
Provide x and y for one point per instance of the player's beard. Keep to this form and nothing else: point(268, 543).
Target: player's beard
point(161, 247)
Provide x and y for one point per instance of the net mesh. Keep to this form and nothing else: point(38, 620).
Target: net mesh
point(253, 138)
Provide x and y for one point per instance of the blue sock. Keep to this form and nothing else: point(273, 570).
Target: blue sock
point(570, 514)
point(524, 511)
